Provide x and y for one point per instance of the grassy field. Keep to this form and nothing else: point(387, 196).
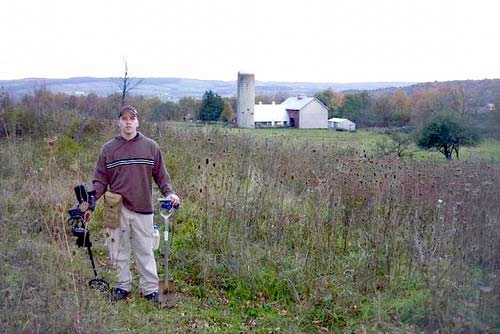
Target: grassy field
point(281, 231)
point(365, 140)
point(487, 151)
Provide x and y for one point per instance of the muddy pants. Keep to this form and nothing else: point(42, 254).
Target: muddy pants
point(135, 229)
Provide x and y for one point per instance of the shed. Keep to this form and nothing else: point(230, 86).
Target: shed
point(341, 124)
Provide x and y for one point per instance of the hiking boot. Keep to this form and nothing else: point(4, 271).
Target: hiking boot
point(153, 297)
point(119, 294)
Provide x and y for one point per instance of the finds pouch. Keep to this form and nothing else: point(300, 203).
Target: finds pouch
point(112, 208)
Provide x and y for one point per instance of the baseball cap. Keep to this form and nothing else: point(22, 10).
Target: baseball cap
point(128, 108)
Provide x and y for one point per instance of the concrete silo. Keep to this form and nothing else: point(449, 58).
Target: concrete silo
point(246, 100)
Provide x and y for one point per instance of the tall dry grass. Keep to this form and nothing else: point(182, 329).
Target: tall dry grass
point(337, 238)
point(44, 277)
point(334, 231)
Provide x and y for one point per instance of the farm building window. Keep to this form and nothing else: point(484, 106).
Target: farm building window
point(263, 124)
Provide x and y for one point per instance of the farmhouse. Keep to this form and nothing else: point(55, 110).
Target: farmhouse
point(296, 112)
point(341, 124)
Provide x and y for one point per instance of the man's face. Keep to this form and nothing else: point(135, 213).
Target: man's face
point(128, 124)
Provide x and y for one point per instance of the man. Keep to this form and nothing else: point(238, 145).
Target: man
point(126, 166)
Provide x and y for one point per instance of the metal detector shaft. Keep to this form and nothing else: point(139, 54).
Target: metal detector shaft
point(96, 283)
point(92, 260)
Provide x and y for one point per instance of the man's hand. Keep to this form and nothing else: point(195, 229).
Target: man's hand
point(87, 216)
point(84, 206)
point(175, 199)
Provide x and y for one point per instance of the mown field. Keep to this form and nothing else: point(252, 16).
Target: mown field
point(281, 231)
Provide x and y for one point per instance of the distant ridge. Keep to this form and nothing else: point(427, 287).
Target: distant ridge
point(176, 88)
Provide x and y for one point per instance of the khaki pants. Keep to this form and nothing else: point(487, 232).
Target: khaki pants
point(135, 229)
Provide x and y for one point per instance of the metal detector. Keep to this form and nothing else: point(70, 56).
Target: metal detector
point(86, 201)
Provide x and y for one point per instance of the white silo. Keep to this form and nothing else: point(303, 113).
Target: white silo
point(246, 100)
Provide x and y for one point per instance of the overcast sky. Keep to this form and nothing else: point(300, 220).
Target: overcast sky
point(293, 40)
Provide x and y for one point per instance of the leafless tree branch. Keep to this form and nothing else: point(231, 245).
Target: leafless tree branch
point(127, 84)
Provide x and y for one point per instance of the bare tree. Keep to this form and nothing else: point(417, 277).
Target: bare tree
point(127, 83)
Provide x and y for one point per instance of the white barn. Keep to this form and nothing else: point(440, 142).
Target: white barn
point(341, 124)
point(299, 112)
point(270, 115)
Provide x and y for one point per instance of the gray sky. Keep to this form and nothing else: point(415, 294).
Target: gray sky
point(294, 40)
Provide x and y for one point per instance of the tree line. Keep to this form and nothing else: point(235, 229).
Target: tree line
point(397, 108)
point(43, 111)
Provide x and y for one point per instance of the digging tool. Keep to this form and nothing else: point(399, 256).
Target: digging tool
point(167, 296)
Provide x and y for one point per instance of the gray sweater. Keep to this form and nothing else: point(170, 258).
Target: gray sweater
point(128, 167)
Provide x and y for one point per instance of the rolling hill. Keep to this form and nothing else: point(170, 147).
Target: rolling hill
point(176, 88)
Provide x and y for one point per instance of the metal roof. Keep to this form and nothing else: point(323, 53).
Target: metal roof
point(339, 120)
point(296, 102)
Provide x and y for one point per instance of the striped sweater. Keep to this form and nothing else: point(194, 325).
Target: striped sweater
point(128, 167)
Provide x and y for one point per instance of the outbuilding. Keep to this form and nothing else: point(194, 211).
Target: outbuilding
point(295, 112)
point(270, 115)
point(341, 124)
